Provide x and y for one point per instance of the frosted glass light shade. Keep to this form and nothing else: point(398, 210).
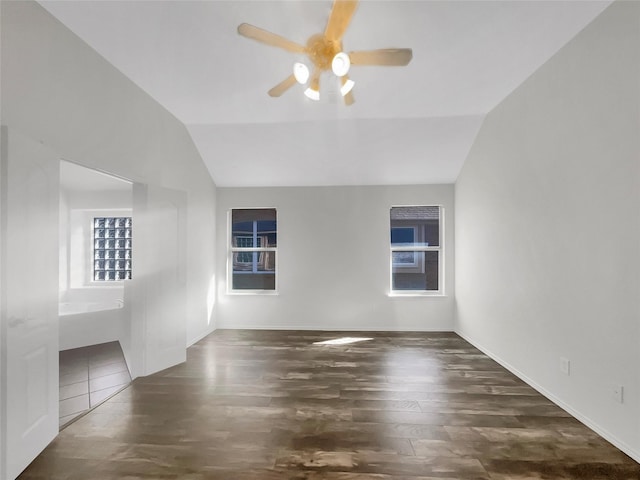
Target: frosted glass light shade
point(347, 87)
point(340, 64)
point(312, 94)
point(301, 72)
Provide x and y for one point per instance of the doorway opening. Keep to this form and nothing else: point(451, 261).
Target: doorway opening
point(96, 257)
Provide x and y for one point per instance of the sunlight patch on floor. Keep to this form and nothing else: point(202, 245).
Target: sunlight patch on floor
point(343, 341)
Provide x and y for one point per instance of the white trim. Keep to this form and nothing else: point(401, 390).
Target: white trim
point(247, 291)
point(310, 328)
point(441, 260)
point(593, 425)
point(416, 293)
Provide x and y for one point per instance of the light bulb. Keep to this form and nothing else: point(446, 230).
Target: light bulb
point(312, 94)
point(301, 72)
point(347, 87)
point(340, 64)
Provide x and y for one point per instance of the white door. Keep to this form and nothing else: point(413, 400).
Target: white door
point(29, 307)
point(158, 287)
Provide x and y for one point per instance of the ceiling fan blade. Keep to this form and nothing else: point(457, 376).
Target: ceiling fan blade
point(269, 38)
point(339, 18)
point(387, 57)
point(348, 99)
point(283, 86)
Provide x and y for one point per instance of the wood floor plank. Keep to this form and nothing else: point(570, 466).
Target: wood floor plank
point(267, 405)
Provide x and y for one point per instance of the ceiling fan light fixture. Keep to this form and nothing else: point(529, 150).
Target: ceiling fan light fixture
point(301, 72)
point(312, 94)
point(340, 64)
point(347, 87)
point(323, 51)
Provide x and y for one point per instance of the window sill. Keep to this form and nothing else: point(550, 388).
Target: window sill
point(417, 294)
point(253, 292)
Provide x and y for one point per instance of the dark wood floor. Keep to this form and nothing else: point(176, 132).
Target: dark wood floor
point(263, 405)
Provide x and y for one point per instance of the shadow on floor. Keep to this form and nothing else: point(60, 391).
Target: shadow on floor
point(88, 376)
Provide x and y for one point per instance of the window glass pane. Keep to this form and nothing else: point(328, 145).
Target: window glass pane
point(251, 228)
point(112, 248)
point(415, 270)
point(403, 235)
point(255, 261)
point(404, 259)
point(254, 271)
point(415, 226)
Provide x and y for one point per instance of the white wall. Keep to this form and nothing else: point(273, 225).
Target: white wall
point(333, 260)
point(548, 228)
point(77, 209)
point(62, 96)
point(63, 246)
point(94, 328)
point(59, 92)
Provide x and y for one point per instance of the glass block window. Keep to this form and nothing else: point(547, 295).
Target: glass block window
point(253, 248)
point(416, 249)
point(111, 249)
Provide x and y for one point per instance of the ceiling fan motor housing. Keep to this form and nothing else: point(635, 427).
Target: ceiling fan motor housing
point(321, 50)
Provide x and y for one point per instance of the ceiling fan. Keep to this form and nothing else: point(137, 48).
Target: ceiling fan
point(325, 52)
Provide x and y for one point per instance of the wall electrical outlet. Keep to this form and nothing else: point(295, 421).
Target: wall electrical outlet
point(565, 365)
point(618, 393)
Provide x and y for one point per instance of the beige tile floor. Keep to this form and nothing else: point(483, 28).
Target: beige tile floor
point(88, 376)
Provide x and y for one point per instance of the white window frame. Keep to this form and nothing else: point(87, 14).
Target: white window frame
point(231, 249)
point(418, 248)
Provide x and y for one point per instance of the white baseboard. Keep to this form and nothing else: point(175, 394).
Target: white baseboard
point(329, 328)
point(603, 432)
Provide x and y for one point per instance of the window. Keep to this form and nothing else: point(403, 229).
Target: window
point(416, 249)
point(111, 248)
point(253, 249)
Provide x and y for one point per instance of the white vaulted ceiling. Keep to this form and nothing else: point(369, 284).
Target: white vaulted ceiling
point(409, 125)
